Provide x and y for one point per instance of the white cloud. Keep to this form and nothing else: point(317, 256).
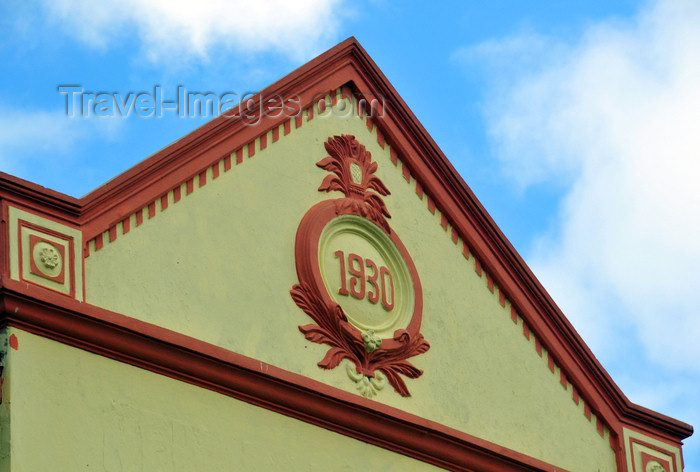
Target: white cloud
point(179, 29)
point(36, 143)
point(615, 120)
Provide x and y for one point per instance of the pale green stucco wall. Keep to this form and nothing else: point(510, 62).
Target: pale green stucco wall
point(4, 407)
point(218, 266)
point(75, 411)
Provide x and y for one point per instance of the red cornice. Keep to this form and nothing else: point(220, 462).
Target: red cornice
point(43, 312)
point(32, 195)
point(348, 62)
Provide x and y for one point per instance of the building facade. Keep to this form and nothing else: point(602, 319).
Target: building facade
point(304, 284)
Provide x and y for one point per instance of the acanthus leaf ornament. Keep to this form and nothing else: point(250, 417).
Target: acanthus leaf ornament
point(353, 174)
point(367, 307)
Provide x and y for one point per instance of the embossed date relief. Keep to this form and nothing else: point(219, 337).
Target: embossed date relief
point(362, 278)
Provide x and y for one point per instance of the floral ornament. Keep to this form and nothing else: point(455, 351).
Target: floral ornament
point(353, 174)
point(334, 329)
point(372, 341)
point(49, 257)
point(367, 386)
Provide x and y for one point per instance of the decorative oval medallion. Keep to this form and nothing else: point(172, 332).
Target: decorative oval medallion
point(366, 274)
point(356, 279)
point(47, 258)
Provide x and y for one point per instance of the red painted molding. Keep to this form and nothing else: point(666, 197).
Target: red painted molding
point(175, 355)
point(23, 192)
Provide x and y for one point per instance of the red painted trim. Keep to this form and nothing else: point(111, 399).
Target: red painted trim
point(513, 315)
point(71, 255)
point(203, 178)
point(526, 330)
point(126, 225)
point(112, 233)
point(98, 242)
point(299, 120)
point(151, 210)
point(599, 426)
point(13, 342)
point(177, 192)
point(477, 266)
point(550, 361)
point(392, 155)
point(189, 186)
point(215, 170)
point(369, 123)
point(251, 149)
point(489, 282)
point(287, 127)
point(175, 355)
point(310, 113)
point(431, 205)
point(139, 217)
point(4, 241)
point(419, 190)
point(406, 172)
point(380, 138)
point(587, 410)
point(263, 141)
point(465, 250)
point(538, 346)
point(501, 298)
point(164, 202)
point(454, 236)
point(239, 156)
point(346, 92)
point(574, 395)
point(443, 221)
point(275, 134)
point(562, 379)
point(227, 162)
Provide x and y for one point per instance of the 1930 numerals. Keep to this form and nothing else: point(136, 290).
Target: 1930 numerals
point(374, 284)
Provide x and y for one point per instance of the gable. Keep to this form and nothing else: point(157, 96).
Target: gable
point(202, 240)
point(227, 248)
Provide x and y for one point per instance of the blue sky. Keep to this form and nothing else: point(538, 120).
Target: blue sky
point(575, 123)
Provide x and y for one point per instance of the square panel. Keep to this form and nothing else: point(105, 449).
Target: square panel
point(46, 257)
point(648, 456)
